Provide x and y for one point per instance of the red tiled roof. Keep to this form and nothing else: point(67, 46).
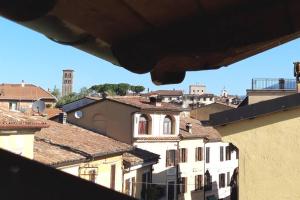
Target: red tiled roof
point(29, 92)
point(144, 103)
point(15, 120)
point(52, 112)
point(76, 140)
point(198, 130)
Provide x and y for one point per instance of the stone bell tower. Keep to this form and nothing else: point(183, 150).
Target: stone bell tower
point(67, 82)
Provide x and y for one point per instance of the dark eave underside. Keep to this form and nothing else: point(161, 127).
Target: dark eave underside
point(162, 37)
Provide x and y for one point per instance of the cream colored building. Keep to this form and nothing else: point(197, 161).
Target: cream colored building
point(267, 136)
point(17, 132)
point(160, 128)
point(93, 157)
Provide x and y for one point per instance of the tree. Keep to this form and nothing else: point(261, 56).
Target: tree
point(55, 92)
point(67, 99)
point(122, 89)
point(137, 89)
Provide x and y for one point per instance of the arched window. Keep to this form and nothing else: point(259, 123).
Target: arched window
point(143, 125)
point(167, 130)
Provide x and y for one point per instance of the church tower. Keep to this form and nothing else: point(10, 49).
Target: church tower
point(67, 82)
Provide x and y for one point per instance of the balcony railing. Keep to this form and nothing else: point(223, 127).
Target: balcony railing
point(273, 84)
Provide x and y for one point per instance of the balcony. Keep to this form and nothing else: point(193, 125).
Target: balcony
point(273, 84)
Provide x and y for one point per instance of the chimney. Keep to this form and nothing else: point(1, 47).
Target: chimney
point(188, 127)
point(297, 75)
point(155, 100)
point(62, 117)
point(23, 83)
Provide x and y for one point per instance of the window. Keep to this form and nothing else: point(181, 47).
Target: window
point(199, 154)
point(13, 106)
point(143, 125)
point(221, 180)
point(146, 178)
point(92, 175)
point(170, 158)
point(167, 130)
point(228, 178)
point(171, 190)
point(198, 182)
point(221, 153)
point(207, 153)
point(207, 181)
point(228, 153)
point(237, 154)
point(130, 186)
point(183, 155)
point(183, 185)
point(112, 176)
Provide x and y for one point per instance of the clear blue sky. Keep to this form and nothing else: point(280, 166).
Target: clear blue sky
point(30, 56)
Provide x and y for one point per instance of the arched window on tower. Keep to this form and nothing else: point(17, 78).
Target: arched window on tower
point(143, 125)
point(167, 130)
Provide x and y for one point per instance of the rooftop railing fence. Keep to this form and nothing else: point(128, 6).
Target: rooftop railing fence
point(273, 84)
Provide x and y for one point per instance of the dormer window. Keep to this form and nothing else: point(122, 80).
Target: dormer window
point(167, 130)
point(143, 125)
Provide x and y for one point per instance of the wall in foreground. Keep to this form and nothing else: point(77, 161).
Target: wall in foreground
point(269, 158)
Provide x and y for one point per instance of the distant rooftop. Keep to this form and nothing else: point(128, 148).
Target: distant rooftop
point(28, 92)
point(273, 84)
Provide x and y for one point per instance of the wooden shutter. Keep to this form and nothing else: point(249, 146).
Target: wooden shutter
point(167, 158)
point(221, 153)
point(112, 176)
point(207, 154)
point(186, 155)
point(133, 185)
point(176, 152)
point(127, 186)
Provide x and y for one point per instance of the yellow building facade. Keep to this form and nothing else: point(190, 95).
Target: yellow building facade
point(268, 139)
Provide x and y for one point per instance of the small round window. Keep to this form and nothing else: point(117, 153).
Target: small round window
point(78, 114)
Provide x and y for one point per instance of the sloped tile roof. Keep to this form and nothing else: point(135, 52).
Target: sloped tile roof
point(29, 92)
point(139, 156)
point(15, 120)
point(144, 103)
point(80, 140)
point(198, 130)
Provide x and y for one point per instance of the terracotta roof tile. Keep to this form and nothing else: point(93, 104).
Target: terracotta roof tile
point(15, 120)
point(144, 103)
point(28, 92)
point(198, 129)
point(139, 156)
point(81, 139)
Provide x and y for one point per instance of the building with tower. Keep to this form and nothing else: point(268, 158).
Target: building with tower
point(67, 82)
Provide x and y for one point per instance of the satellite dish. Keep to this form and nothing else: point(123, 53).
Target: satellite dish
point(38, 106)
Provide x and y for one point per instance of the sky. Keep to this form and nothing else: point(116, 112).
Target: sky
point(30, 56)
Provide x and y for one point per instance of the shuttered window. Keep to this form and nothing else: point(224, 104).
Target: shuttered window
point(207, 154)
point(113, 176)
point(228, 178)
point(221, 153)
point(170, 158)
point(183, 185)
point(198, 182)
point(221, 180)
point(228, 153)
point(183, 153)
point(199, 154)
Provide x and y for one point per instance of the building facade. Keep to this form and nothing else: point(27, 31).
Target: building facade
point(197, 89)
point(266, 134)
point(159, 128)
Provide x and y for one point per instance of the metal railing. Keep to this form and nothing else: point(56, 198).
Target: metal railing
point(273, 84)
